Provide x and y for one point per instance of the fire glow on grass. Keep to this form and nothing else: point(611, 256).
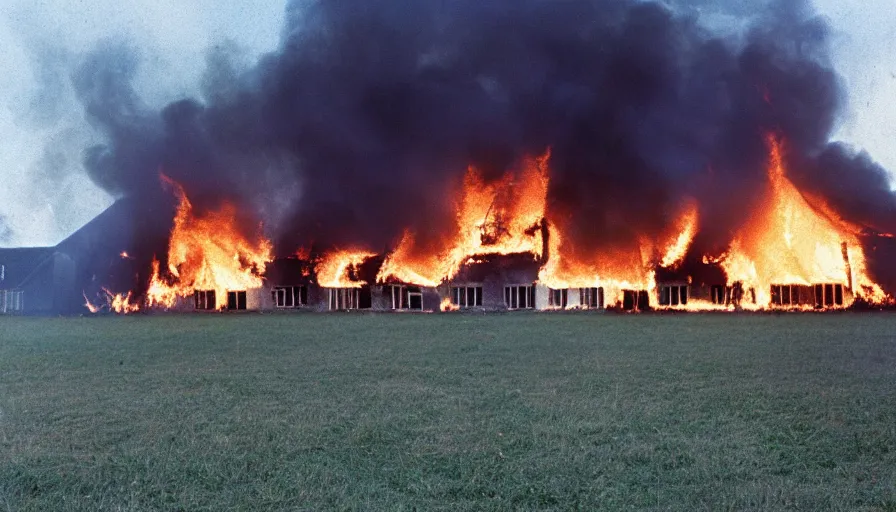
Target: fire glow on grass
point(207, 252)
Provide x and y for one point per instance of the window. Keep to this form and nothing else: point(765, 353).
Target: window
point(519, 297)
point(406, 297)
point(236, 300)
point(673, 295)
point(787, 295)
point(592, 297)
point(12, 301)
point(718, 294)
point(635, 300)
point(204, 299)
point(558, 298)
point(727, 295)
point(343, 298)
point(828, 295)
point(286, 297)
point(466, 296)
point(734, 294)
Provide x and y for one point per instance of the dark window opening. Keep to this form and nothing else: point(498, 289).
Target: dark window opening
point(286, 297)
point(673, 295)
point(786, 295)
point(519, 297)
point(346, 298)
point(635, 300)
point(406, 297)
point(718, 294)
point(204, 299)
point(558, 298)
point(236, 300)
point(365, 298)
point(828, 295)
point(466, 296)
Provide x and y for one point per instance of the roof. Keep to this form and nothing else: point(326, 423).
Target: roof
point(19, 264)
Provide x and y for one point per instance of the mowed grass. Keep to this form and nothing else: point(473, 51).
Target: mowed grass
point(450, 412)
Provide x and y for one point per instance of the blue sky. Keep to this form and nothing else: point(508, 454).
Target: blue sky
point(45, 194)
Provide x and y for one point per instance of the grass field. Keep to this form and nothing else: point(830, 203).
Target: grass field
point(451, 412)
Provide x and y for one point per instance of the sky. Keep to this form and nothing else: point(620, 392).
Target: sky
point(45, 195)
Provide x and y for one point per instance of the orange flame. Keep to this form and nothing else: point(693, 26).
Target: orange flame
point(787, 241)
point(207, 253)
point(90, 306)
point(446, 305)
point(333, 271)
point(121, 303)
point(492, 218)
point(676, 250)
point(115, 302)
point(303, 253)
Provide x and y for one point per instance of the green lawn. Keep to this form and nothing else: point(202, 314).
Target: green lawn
point(451, 412)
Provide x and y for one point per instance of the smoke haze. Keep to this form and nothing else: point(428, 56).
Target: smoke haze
point(361, 121)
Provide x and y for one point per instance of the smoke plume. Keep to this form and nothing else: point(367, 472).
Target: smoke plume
point(5, 230)
point(363, 121)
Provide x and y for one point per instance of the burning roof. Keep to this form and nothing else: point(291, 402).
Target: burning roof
point(607, 139)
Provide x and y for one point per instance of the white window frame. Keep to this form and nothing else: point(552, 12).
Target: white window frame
point(558, 298)
point(288, 297)
point(592, 297)
point(401, 297)
point(519, 296)
point(342, 299)
point(12, 301)
point(460, 296)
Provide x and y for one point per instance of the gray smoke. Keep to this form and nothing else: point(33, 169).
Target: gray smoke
point(363, 121)
point(5, 230)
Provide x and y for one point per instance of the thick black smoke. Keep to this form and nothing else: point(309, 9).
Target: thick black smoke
point(363, 121)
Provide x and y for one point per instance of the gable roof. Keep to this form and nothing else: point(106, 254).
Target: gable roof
point(19, 264)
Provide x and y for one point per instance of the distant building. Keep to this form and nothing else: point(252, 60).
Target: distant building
point(54, 280)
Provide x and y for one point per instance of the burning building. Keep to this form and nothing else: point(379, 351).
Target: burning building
point(524, 154)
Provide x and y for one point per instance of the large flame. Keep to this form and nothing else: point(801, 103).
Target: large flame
point(621, 267)
point(614, 270)
point(787, 241)
point(334, 271)
point(789, 238)
point(504, 217)
point(678, 248)
point(207, 252)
